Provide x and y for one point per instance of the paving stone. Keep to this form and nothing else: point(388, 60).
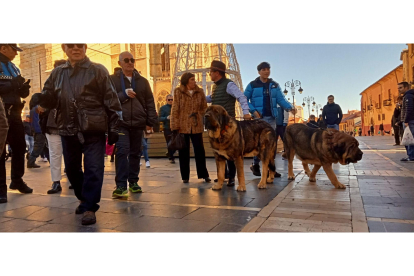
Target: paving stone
point(398, 227)
point(47, 214)
point(227, 227)
point(222, 215)
point(19, 225)
point(68, 228)
point(21, 213)
point(158, 210)
point(103, 220)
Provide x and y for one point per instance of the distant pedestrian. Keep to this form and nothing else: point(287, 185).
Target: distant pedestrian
point(187, 117)
point(144, 152)
point(360, 132)
point(407, 115)
point(372, 130)
point(321, 123)
point(28, 135)
point(381, 129)
point(39, 137)
point(312, 123)
point(396, 121)
point(165, 118)
point(332, 113)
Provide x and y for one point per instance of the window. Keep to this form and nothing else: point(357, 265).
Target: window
point(165, 59)
point(389, 94)
point(379, 117)
point(383, 117)
point(161, 99)
point(379, 101)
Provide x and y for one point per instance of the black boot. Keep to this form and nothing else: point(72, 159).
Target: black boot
point(3, 194)
point(55, 188)
point(231, 182)
point(21, 187)
point(256, 170)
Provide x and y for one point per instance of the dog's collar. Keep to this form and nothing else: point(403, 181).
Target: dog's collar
point(226, 127)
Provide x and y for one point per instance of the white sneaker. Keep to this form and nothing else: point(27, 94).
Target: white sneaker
point(147, 164)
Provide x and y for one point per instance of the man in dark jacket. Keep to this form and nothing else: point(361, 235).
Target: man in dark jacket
point(165, 114)
point(312, 123)
point(13, 87)
point(395, 121)
point(407, 115)
point(87, 107)
point(139, 115)
point(332, 114)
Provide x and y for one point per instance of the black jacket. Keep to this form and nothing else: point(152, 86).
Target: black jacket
point(10, 86)
point(93, 91)
point(332, 114)
point(396, 117)
point(140, 111)
point(407, 112)
point(312, 124)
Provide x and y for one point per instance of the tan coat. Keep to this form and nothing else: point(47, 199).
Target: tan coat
point(188, 110)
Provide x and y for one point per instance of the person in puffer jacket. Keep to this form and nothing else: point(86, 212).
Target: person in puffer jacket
point(407, 115)
point(264, 97)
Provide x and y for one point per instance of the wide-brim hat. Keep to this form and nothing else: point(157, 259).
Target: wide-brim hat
point(14, 46)
point(218, 66)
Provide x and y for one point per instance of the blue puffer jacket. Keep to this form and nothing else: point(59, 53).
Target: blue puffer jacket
point(254, 94)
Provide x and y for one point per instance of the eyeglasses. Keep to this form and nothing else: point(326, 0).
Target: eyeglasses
point(170, 100)
point(126, 60)
point(80, 46)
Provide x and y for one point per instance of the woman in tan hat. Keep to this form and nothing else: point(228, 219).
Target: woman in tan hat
point(187, 117)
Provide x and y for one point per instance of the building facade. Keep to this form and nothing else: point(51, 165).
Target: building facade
point(378, 101)
point(407, 58)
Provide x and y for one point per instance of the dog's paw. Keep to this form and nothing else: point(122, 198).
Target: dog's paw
point(261, 185)
point(340, 186)
point(291, 177)
point(217, 187)
point(312, 179)
point(241, 188)
point(269, 180)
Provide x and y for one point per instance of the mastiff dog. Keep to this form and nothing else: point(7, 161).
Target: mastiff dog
point(232, 140)
point(321, 148)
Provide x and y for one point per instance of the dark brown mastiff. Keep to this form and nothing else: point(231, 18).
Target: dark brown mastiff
point(232, 140)
point(321, 148)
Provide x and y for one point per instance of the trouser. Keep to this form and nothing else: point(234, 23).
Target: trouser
point(55, 152)
point(335, 126)
point(410, 149)
point(29, 142)
point(39, 145)
point(128, 155)
point(199, 153)
point(87, 184)
point(272, 121)
point(15, 138)
point(372, 133)
point(167, 136)
point(45, 152)
point(396, 134)
point(145, 148)
point(280, 132)
point(4, 126)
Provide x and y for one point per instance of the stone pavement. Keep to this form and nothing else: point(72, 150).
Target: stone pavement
point(379, 198)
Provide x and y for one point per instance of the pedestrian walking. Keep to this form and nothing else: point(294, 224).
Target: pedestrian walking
point(360, 132)
point(266, 101)
point(372, 130)
point(332, 113)
point(381, 129)
point(187, 116)
point(29, 133)
point(13, 87)
point(396, 121)
point(39, 137)
point(144, 152)
point(165, 118)
point(312, 123)
point(139, 114)
point(87, 107)
point(407, 115)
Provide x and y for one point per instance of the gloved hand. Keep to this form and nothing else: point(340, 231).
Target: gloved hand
point(17, 82)
point(112, 138)
point(24, 89)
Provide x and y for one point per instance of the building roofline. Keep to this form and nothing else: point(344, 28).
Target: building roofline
point(389, 73)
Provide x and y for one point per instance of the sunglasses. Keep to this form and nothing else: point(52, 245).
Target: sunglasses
point(170, 100)
point(80, 46)
point(126, 60)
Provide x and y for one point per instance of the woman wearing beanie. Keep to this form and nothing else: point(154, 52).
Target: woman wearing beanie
point(187, 117)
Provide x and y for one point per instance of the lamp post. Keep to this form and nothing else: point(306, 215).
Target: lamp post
point(292, 84)
point(308, 100)
point(318, 107)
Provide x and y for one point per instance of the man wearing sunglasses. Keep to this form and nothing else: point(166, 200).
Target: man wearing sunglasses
point(13, 87)
point(87, 107)
point(165, 115)
point(139, 115)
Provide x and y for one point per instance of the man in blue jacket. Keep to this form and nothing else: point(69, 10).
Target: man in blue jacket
point(407, 115)
point(165, 115)
point(264, 95)
point(332, 114)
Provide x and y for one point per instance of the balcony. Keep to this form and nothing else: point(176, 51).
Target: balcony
point(387, 102)
point(377, 105)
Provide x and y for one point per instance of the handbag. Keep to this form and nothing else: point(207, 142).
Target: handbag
point(177, 142)
point(408, 139)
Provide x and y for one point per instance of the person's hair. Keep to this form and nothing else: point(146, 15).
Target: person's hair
point(312, 117)
point(168, 96)
point(263, 65)
point(331, 96)
point(185, 78)
point(59, 62)
point(404, 84)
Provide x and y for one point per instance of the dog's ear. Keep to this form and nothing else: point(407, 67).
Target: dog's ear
point(340, 148)
point(223, 118)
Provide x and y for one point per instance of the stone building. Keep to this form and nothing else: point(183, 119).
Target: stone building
point(407, 58)
point(378, 101)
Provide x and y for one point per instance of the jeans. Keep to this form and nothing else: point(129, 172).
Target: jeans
point(39, 145)
point(167, 136)
point(272, 121)
point(145, 148)
point(200, 157)
point(128, 156)
point(88, 184)
point(29, 142)
point(335, 126)
point(410, 149)
point(55, 151)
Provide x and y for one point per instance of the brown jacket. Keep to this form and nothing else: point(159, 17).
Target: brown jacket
point(188, 110)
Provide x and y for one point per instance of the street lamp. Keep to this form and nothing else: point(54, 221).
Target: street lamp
point(318, 107)
point(292, 84)
point(308, 100)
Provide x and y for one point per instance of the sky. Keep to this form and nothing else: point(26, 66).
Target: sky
point(343, 70)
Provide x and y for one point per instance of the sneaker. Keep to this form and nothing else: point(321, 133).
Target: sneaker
point(404, 159)
point(207, 179)
point(135, 188)
point(120, 192)
point(21, 187)
point(256, 170)
point(147, 164)
point(172, 161)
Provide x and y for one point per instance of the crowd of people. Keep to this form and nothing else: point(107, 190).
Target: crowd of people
point(82, 108)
